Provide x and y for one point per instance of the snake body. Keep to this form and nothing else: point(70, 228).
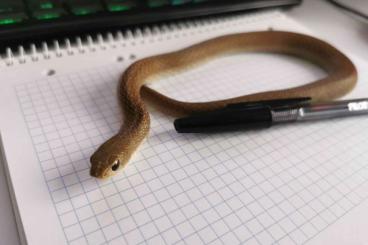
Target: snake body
point(115, 153)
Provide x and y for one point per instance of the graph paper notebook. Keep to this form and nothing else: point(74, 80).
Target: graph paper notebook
point(303, 183)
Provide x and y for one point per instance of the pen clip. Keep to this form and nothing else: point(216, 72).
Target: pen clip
point(272, 104)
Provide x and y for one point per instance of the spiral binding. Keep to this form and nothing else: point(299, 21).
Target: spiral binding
point(103, 41)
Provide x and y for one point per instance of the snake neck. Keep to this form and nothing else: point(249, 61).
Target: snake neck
point(119, 149)
point(116, 152)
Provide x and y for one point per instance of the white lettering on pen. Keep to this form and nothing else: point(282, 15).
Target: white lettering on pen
point(358, 106)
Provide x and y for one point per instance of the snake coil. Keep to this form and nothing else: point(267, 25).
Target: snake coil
point(115, 153)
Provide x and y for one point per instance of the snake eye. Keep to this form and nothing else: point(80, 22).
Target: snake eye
point(115, 165)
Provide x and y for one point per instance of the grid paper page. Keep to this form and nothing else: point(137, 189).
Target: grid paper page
point(283, 185)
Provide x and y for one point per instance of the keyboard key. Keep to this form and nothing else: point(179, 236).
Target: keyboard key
point(120, 5)
point(7, 6)
point(157, 3)
point(12, 18)
point(84, 7)
point(180, 2)
point(46, 9)
point(48, 14)
point(44, 4)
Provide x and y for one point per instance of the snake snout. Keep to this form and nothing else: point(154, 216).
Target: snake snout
point(97, 166)
point(96, 171)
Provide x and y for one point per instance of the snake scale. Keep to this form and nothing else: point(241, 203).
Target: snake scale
point(115, 153)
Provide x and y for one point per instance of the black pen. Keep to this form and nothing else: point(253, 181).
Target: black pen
point(264, 114)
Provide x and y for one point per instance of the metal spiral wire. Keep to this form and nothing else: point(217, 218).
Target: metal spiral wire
point(101, 41)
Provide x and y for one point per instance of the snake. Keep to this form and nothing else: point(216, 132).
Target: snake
point(135, 95)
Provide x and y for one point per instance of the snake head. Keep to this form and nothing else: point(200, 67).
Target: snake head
point(104, 169)
point(107, 160)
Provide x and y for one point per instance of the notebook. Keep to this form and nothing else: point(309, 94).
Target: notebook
point(294, 184)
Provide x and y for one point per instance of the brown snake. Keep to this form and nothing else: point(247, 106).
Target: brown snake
point(115, 153)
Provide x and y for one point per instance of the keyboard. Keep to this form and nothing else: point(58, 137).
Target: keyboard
point(30, 20)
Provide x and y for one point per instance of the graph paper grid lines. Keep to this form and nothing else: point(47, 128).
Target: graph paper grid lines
point(284, 185)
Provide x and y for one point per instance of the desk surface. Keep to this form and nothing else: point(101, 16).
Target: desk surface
point(344, 31)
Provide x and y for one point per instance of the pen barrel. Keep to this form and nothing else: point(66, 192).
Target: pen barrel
point(225, 120)
point(322, 111)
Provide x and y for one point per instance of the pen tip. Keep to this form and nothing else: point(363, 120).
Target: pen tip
point(178, 125)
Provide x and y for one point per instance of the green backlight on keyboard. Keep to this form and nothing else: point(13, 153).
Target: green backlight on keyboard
point(116, 8)
point(8, 21)
point(46, 5)
point(48, 16)
point(82, 11)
